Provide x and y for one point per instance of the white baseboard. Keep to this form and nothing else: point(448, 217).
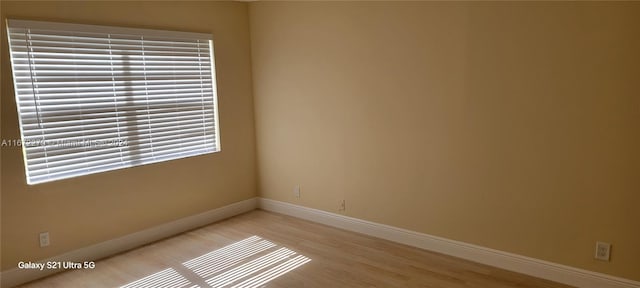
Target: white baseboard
point(508, 261)
point(513, 262)
point(17, 276)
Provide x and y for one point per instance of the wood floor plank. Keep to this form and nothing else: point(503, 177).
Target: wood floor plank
point(252, 248)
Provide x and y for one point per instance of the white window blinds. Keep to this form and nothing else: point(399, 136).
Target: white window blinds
point(97, 98)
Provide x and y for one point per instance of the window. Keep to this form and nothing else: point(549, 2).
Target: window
point(97, 98)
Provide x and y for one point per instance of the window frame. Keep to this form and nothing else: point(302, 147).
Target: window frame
point(84, 28)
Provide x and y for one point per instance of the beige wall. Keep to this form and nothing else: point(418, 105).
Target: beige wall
point(514, 126)
point(89, 209)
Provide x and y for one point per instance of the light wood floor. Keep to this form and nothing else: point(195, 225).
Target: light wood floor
point(249, 250)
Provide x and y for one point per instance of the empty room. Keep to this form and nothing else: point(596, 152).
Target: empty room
point(441, 144)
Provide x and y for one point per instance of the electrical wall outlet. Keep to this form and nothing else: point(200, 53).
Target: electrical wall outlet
point(343, 206)
point(296, 191)
point(44, 239)
point(603, 251)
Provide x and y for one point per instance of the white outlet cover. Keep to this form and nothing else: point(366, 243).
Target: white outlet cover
point(603, 251)
point(296, 191)
point(44, 239)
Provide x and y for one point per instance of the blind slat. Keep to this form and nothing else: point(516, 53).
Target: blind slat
point(146, 154)
point(83, 156)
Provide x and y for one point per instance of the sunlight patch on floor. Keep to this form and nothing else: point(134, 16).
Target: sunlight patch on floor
point(167, 278)
point(251, 262)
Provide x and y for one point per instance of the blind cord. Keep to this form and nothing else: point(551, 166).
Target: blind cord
point(27, 36)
